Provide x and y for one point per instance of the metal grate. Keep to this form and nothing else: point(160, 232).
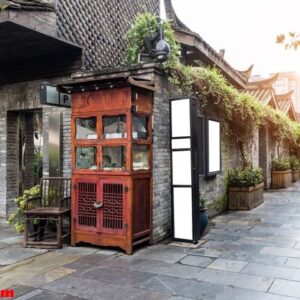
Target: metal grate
point(113, 206)
point(87, 196)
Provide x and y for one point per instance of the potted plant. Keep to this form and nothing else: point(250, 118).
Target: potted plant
point(245, 187)
point(202, 214)
point(281, 173)
point(17, 218)
point(295, 167)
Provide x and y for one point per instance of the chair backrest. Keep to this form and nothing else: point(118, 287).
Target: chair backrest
point(53, 189)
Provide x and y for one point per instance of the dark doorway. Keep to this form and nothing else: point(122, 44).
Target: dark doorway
point(24, 150)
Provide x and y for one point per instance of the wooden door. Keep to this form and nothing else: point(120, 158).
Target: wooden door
point(111, 215)
point(86, 195)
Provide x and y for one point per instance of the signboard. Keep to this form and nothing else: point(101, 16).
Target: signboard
point(185, 181)
point(213, 147)
point(49, 95)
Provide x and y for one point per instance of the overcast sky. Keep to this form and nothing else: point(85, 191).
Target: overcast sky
point(246, 29)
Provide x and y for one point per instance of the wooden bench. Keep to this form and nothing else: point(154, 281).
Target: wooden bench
point(53, 204)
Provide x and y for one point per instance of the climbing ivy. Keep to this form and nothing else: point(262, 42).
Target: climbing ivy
point(147, 25)
point(240, 113)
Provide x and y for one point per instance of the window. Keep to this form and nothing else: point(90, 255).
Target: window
point(140, 157)
point(140, 127)
point(86, 158)
point(113, 157)
point(114, 127)
point(86, 128)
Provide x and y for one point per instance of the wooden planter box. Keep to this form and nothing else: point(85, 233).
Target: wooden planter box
point(295, 176)
point(246, 198)
point(281, 179)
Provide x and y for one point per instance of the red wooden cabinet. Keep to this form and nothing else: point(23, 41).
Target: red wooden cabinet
point(112, 167)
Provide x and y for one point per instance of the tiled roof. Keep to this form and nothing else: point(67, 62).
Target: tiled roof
point(247, 73)
point(27, 5)
point(286, 105)
point(265, 95)
point(263, 83)
point(100, 26)
point(203, 46)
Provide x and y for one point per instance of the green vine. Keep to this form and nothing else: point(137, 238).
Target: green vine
point(147, 25)
point(240, 113)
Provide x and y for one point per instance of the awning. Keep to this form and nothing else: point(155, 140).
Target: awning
point(27, 54)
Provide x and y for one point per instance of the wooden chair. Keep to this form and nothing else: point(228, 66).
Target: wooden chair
point(53, 204)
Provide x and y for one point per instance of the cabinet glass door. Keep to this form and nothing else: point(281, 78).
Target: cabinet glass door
point(114, 158)
point(114, 127)
point(86, 158)
point(86, 128)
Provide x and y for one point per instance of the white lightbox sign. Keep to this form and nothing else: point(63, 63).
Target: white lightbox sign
point(181, 119)
point(182, 169)
point(183, 219)
point(185, 175)
point(214, 147)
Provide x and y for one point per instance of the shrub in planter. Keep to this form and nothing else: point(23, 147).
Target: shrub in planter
point(281, 164)
point(245, 187)
point(295, 167)
point(281, 173)
point(17, 218)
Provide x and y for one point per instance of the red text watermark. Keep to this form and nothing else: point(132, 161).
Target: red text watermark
point(7, 293)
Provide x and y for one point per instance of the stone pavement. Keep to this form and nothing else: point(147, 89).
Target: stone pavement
point(245, 256)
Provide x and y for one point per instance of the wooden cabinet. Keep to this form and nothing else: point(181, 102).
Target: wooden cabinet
point(112, 167)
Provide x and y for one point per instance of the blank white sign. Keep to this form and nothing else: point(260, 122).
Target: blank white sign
point(183, 219)
point(182, 168)
point(214, 164)
point(181, 143)
point(181, 123)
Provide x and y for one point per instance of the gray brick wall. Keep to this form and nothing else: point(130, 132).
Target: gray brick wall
point(161, 163)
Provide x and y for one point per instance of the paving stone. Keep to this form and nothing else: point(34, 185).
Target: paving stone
point(292, 263)
point(162, 253)
point(272, 271)
point(179, 298)
point(232, 293)
point(221, 237)
point(227, 245)
point(268, 241)
point(94, 289)
point(227, 265)
point(68, 250)
point(157, 267)
point(115, 275)
point(107, 252)
point(207, 252)
point(13, 240)
point(197, 261)
point(285, 287)
point(13, 255)
point(277, 251)
point(254, 258)
point(86, 262)
point(42, 279)
point(257, 283)
point(21, 289)
point(21, 272)
point(297, 246)
point(47, 295)
point(182, 287)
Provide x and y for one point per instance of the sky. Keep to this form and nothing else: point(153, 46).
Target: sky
point(246, 29)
